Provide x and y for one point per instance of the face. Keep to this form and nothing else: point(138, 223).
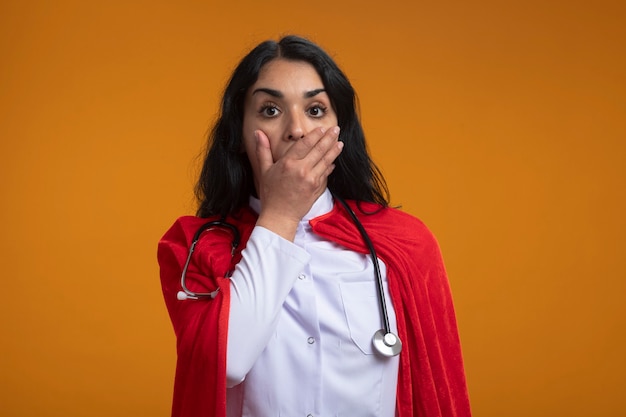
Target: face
point(287, 102)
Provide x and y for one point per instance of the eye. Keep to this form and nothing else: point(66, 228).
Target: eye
point(317, 111)
point(269, 110)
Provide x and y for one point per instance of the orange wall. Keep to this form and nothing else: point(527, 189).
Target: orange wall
point(501, 124)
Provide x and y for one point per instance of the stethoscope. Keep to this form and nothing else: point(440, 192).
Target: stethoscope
point(384, 340)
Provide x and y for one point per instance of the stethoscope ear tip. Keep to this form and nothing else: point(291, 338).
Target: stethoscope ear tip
point(181, 295)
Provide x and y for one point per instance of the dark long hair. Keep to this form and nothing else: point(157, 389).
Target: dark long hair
point(226, 180)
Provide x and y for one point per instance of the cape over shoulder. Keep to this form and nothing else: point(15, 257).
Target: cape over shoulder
point(211, 257)
point(200, 326)
point(185, 227)
point(385, 225)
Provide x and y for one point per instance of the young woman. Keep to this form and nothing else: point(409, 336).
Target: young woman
point(279, 287)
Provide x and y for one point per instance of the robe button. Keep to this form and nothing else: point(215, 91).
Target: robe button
point(311, 340)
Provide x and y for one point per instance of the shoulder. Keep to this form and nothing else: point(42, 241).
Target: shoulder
point(184, 229)
point(393, 222)
point(398, 236)
point(389, 228)
point(370, 212)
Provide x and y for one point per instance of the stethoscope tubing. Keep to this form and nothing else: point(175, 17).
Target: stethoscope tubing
point(379, 281)
point(186, 293)
point(384, 340)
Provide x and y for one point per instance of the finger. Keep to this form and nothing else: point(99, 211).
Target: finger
point(303, 146)
point(326, 149)
point(263, 151)
point(326, 163)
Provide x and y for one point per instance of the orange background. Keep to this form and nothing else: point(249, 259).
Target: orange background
point(500, 124)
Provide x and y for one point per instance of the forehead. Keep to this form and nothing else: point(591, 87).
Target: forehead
point(282, 73)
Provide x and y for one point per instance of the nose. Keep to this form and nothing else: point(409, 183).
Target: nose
point(296, 128)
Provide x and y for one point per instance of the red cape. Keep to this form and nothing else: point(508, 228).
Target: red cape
point(431, 380)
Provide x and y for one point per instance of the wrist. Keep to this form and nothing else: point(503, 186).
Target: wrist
point(283, 226)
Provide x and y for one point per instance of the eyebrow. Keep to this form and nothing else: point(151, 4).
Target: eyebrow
point(313, 93)
point(278, 94)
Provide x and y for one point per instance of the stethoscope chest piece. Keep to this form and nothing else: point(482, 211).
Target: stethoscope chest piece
point(386, 343)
